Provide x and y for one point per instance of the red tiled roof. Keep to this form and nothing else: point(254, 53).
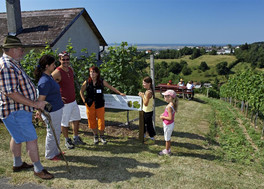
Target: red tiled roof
point(47, 26)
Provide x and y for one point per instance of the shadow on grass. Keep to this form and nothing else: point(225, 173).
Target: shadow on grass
point(103, 169)
point(115, 146)
point(159, 131)
point(199, 100)
point(188, 135)
point(159, 102)
point(189, 146)
point(201, 156)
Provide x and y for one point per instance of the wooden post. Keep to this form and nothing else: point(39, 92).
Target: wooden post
point(242, 106)
point(141, 126)
point(152, 75)
point(127, 123)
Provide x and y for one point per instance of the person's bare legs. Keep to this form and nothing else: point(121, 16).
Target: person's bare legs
point(32, 149)
point(168, 145)
point(65, 131)
point(68, 142)
point(15, 148)
point(75, 127)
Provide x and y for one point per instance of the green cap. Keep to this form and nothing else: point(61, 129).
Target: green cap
point(11, 42)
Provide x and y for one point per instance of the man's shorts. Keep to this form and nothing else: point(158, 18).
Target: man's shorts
point(168, 129)
point(20, 126)
point(70, 113)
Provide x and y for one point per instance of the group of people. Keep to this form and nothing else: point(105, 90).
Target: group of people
point(19, 99)
point(189, 87)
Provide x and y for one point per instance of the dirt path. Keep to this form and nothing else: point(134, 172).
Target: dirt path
point(5, 185)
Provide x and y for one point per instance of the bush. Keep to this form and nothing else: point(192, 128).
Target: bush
point(186, 70)
point(203, 66)
point(214, 93)
point(222, 68)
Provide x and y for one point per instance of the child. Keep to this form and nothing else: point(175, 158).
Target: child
point(168, 118)
point(170, 82)
point(148, 98)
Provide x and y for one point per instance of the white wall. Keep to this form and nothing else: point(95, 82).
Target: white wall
point(81, 36)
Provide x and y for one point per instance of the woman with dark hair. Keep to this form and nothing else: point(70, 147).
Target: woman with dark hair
point(49, 90)
point(94, 102)
point(148, 106)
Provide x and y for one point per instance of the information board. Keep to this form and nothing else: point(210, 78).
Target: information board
point(117, 102)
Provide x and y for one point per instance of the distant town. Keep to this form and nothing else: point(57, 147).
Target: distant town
point(220, 48)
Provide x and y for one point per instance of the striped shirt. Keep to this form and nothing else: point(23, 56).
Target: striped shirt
point(14, 79)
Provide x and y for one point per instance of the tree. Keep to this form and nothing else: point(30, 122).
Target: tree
point(244, 47)
point(175, 67)
point(196, 53)
point(123, 68)
point(213, 52)
point(222, 68)
point(203, 66)
point(183, 63)
point(186, 51)
point(186, 70)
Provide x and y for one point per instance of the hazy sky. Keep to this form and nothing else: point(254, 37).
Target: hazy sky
point(168, 21)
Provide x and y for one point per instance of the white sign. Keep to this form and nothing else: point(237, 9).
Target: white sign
point(123, 102)
point(83, 111)
point(117, 102)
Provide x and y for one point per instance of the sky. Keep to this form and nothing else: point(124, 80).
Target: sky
point(168, 21)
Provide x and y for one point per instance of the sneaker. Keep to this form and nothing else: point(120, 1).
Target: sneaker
point(44, 174)
point(103, 140)
point(78, 141)
point(165, 152)
point(69, 144)
point(56, 158)
point(96, 140)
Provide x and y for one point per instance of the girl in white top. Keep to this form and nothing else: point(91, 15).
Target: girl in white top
point(148, 98)
point(168, 119)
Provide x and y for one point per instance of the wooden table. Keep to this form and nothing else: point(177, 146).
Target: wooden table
point(181, 90)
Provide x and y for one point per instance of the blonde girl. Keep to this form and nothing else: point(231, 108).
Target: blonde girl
point(168, 119)
point(148, 98)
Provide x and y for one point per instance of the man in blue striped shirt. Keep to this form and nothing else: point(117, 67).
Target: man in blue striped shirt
point(17, 102)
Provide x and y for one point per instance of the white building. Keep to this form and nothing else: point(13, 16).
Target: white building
point(54, 27)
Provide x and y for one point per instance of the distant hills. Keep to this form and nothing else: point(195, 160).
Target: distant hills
point(170, 46)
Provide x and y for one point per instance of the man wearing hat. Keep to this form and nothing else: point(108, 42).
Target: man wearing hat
point(181, 83)
point(17, 102)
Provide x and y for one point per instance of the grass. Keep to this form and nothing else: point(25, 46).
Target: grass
point(126, 163)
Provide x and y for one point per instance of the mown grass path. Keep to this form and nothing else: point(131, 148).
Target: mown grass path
point(126, 163)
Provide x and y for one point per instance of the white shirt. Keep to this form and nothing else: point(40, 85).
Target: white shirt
point(189, 86)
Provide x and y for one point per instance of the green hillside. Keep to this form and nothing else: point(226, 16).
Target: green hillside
point(211, 60)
